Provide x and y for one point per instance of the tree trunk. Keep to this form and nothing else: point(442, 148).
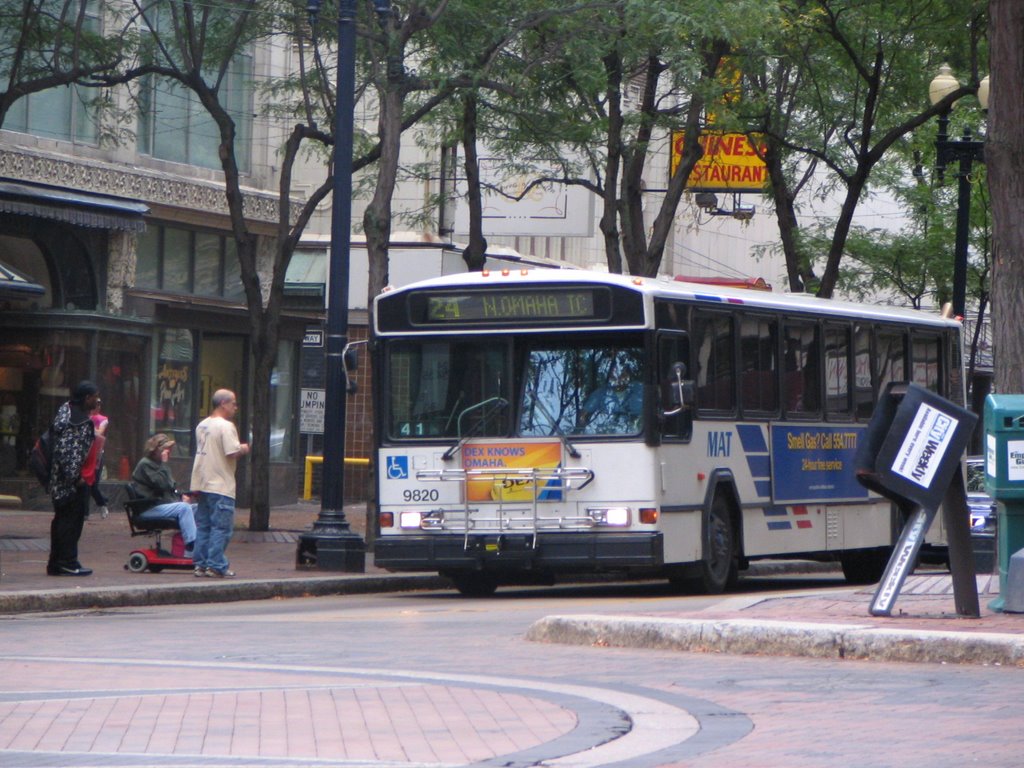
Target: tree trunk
point(377, 217)
point(798, 270)
point(854, 189)
point(631, 203)
point(610, 213)
point(264, 357)
point(1004, 157)
point(262, 321)
point(475, 254)
point(649, 261)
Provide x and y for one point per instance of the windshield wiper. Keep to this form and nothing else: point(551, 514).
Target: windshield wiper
point(557, 429)
point(499, 403)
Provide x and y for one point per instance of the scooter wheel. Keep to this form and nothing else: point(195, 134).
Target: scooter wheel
point(137, 562)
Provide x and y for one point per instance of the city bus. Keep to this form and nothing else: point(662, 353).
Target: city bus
point(536, 423)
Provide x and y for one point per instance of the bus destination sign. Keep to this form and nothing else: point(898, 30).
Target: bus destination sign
point(511, 306)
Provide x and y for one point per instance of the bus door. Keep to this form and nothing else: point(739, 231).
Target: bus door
point(675, 386)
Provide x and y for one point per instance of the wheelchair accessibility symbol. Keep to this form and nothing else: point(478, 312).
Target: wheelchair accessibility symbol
point(398, 467)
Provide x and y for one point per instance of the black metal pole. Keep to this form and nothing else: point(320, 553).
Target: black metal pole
point(963, 223)
point(965, 152)
point(332, 545)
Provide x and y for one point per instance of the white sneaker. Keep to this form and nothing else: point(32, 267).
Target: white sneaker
point(104, 513)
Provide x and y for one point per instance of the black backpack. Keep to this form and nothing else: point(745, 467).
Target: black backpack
point(40, 458)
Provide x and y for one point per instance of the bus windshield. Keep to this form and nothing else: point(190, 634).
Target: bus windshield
point(455, 389)
point(582, 389)
point(447, 389)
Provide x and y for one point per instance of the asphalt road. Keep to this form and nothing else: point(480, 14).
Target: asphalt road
point(434, 679)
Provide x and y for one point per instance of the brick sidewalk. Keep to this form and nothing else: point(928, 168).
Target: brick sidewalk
point(925, 603)
point(107, 543)
point(275, 716)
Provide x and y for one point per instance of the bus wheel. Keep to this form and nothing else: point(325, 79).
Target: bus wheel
point(864, 566)
point(720, 567)
point(474, 583)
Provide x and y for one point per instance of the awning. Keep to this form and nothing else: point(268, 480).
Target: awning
point(83, 209)
point(15, 285)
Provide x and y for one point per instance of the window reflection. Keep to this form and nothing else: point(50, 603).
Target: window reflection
point(582, 391)
point(282, 397)
point(173, 409)
point(447, 389)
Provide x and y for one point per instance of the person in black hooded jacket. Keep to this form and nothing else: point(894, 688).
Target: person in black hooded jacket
point(73, 433)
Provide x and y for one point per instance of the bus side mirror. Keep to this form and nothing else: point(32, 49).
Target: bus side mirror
point(350, 364)
point(351, 358)
point(680, 391)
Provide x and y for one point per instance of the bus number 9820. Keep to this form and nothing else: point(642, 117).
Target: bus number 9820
point(421, 494)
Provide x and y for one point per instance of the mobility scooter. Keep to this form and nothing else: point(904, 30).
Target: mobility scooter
point(154, 558)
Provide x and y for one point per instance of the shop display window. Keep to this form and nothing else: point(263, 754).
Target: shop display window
point(173, 408)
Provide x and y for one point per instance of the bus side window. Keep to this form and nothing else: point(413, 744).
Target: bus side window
point(838, 403)
point(925, 356)
point(801, 377)
point(954, 366)
point(673, 350)
point(863, 386)
point(759, 390)
point(890, 350)
point(714, 362)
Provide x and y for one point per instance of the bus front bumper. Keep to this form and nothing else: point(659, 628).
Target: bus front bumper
point(554, 552)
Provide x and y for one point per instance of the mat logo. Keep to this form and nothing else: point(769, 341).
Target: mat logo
point(936, 437)
point(719, 443)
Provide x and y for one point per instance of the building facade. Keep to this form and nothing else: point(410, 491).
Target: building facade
point(132, 279)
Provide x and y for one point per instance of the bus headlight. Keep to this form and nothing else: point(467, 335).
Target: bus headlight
point(617, 516)
point(409, 519)
point(423, 520)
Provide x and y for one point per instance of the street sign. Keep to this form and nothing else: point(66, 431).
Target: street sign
point(312, 405)
point(314, 337)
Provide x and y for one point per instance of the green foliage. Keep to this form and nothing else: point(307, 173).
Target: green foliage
point(838, 83)
point(44, 45)
point(916, 263)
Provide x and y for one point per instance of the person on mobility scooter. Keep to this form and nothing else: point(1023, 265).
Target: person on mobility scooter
point(153, 483)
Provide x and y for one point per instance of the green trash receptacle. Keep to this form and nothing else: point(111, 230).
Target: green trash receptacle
point(1004, 481)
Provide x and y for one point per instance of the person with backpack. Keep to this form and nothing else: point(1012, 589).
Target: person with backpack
point(73, 434)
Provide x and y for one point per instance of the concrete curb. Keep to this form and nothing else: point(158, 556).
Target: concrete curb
point(210, 591)
point(777, 638)
point(224, 591)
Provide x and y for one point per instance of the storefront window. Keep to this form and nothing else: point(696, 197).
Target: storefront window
point(208, 262)
point(147, 263)
point(119, 379)
point(38, 369)
point(173, 409)
point(233, 288)
point(64, 363)
point(189, 261)
point(177, 260)
point(282, 397)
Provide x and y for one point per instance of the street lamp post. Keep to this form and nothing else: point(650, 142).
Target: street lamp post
point(332, 544)
point(965, 152)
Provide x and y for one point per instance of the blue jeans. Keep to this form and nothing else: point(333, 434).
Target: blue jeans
point(215, 522)
point(175, 510)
